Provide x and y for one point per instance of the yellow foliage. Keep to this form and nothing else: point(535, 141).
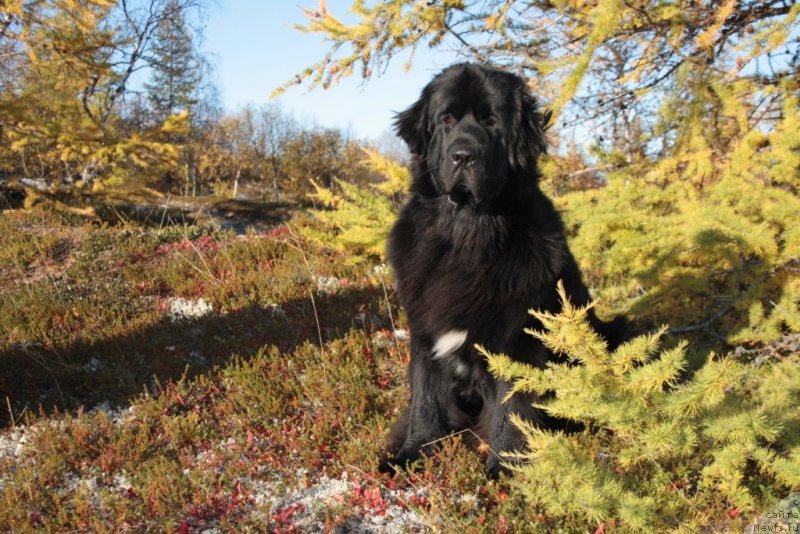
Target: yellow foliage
point(389, 24)
point(652, 428)
point(702, 237)
point(397, 177)
point(707, 36)
point(355, 219)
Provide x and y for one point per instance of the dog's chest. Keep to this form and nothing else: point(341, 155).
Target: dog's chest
point(463, 289)
point(470, 274)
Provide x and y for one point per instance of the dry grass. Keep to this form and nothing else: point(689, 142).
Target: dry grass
point(267, 414)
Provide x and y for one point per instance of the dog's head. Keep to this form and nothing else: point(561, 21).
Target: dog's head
point(473, 129)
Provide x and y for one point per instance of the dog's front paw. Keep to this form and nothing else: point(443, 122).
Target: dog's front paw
point(403, 460)
point(494, 468)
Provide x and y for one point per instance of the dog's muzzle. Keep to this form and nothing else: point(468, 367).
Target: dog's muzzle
point(463, 174)
point(460, 195)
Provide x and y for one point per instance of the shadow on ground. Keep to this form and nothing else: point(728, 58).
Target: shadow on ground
point(236, 215)
point(144, 208)
point(38, 379)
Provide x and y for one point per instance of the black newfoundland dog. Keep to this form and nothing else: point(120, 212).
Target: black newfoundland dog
point(476, 245)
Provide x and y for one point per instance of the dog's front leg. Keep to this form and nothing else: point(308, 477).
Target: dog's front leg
point(503, 435)
point(425, 419)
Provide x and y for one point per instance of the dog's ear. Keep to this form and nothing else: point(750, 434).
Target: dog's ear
point(529, 132)
point(411, 125)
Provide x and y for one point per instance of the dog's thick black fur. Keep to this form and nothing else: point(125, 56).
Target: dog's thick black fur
point(476, 245)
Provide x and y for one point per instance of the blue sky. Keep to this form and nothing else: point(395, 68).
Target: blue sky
point(255, 50)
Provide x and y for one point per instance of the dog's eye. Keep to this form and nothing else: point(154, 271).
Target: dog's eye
point(489, 121)
point(447, 120)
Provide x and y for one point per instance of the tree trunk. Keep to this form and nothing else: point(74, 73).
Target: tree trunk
point(236, 182)
point(188, 180)
point(194, 181)
point(24, 162)
point(275, 185)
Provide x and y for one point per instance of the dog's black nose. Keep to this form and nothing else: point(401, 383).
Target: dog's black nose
point(462, 156)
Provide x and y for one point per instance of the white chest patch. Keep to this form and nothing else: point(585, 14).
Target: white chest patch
point(448, 343)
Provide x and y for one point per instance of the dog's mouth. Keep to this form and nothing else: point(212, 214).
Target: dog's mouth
point(460, 195)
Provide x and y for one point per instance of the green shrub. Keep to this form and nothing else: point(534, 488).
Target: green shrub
point(357, 219)
point(661, 451)
point(725, 254)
